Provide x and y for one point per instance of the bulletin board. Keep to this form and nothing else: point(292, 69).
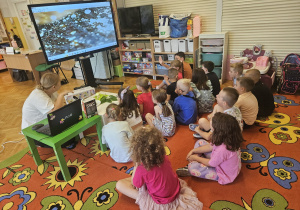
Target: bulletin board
point(26, 24)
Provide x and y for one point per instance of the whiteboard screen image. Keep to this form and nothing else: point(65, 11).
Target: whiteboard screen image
point(71, 29)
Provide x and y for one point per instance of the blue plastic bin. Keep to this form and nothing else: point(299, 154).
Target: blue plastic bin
point(218, 71)
point(216, 58)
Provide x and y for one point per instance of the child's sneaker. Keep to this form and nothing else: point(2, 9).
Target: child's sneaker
point(193, 126)
point(183, 171)
point(197, 135)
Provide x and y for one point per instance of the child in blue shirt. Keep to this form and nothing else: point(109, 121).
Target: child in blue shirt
point(185, 106)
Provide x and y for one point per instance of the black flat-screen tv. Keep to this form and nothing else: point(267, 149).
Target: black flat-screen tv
point(136, 20)
point(72, 29)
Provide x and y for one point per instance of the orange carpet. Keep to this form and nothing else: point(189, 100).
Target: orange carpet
point(268, 179)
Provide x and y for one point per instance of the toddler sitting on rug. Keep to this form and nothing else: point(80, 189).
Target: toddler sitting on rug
point(220, 160)
point(153, 184)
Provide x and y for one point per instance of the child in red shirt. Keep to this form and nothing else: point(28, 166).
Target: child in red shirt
point(145, 99)
point(153, 175)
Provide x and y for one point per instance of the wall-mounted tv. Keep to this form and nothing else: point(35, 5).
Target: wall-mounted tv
point(71, 29)
point(136, 20)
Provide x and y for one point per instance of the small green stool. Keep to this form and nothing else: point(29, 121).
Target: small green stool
point(53, 67)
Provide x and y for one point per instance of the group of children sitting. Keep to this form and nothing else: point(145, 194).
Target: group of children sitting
point(181, 102)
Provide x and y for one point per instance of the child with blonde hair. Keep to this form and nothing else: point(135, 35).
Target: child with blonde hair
point(226, 99)
point(164, 119)
point(220, 160)
point(185, 106)
point(236, 71)
point(43, 100)
point(116, 134)
point(175, 64)
point(129, 108)
point(153, 184)
point(145, 99)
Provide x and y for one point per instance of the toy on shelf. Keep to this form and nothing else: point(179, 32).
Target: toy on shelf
point(261, 60)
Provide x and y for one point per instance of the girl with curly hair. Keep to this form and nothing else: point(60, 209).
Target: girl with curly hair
point(153, 184)
point(220, 160)
point(116, 134)
point(164, 119)
point(129, 108)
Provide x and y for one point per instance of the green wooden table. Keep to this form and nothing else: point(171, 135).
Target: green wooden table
point(56, 141)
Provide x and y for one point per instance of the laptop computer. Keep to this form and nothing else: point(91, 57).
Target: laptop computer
point(63, 118)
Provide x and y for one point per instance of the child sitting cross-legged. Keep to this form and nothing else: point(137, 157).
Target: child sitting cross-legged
point(202, 90)
point(262, 93)
point(164, 119)
point(116, 134)
point(153, 184)
point(220, 160)
point(185, 106)
point(236, 71)
point(226, 99)
point(208, 67)
point(145, 99)
point(129, 108)
point(171, 94)
point(247, 102)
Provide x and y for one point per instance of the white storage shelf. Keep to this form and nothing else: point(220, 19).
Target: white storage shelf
point(213, 47)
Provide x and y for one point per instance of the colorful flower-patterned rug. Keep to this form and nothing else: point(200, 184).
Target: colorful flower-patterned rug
point(268, 179)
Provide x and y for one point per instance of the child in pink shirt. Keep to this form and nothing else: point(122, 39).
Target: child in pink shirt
point(220, 160)
point(153, 184)
point(145, 99)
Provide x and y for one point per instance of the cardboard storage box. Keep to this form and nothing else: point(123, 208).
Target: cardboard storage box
point(81, 93)
point(158, 46)
point(147, 45)
point(140, 45)
point(132, 45)
point(174, 45)
point(167, 45)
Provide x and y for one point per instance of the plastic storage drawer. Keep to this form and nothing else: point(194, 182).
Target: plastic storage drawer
point(216, 42)
point(218, 71)
point(212, 49)
point(216, 58)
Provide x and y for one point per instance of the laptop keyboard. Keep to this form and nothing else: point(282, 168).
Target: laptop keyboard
point(45, 130)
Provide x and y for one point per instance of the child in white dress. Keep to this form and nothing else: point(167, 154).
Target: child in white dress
point(164, 119)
